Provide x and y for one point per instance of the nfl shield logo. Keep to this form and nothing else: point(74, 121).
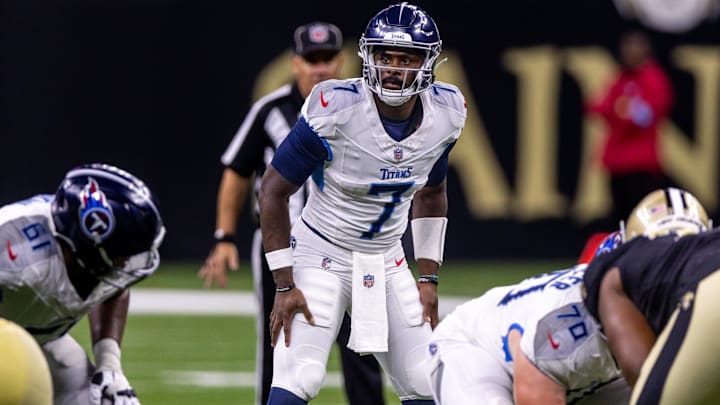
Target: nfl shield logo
point(326, 262)
point(368, 280)
point(398, 153)
point(318, 33)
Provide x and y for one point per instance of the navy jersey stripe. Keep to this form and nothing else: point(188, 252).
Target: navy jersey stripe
point(300, 153)
point(439, 170)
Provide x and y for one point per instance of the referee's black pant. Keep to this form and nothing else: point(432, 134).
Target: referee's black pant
point(363, 380)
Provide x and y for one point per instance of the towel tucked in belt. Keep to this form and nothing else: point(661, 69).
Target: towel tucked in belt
point(369, 324)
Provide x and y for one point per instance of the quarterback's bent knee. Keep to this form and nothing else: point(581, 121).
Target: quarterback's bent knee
point(310, 377)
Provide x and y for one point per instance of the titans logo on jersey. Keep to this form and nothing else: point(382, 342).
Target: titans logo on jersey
point(363, 188)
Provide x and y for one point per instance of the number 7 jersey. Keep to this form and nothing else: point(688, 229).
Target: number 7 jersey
point(361, 196)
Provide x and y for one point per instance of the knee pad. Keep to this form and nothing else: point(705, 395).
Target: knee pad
point(300, 368)
point(310, 376)
point(65, 352)
point(71, 370)
point(418, 380)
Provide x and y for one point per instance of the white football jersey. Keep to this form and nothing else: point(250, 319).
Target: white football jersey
point(35, 290)
point(361, 198)
point(558, 334)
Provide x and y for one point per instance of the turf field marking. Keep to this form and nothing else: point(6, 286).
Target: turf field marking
point(199, 302)
point(223, 379)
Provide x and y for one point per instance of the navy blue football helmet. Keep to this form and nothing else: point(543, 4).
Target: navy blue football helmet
point(106, 215)
point(401, 25)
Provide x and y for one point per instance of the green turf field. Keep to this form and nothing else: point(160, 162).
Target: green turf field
point(191, 359)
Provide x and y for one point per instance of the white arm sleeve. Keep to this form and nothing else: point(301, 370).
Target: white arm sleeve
point(429, 238)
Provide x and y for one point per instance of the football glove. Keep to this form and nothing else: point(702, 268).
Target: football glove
point(108, 385)
point(111, 387)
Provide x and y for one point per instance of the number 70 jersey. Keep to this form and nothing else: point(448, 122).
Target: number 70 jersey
point(360, 197)
point(558, 334)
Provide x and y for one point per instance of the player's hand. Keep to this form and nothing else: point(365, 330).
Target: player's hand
point(284, 308)
point(223, 255)
point(111, 387)
point(429, 300)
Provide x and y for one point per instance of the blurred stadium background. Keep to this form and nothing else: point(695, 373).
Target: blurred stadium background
point(160, 86)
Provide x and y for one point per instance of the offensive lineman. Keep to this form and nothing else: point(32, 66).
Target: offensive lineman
point(76, 253)
point(373, 145)
point(528, 343)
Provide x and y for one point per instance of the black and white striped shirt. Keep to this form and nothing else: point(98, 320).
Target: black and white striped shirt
point(264, 128)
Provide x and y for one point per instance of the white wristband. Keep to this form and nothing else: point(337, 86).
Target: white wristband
point(107, 355)
point(429, 238)
point(278, 259)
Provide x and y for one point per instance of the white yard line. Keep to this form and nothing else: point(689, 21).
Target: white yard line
point(221, 379)
point(201, 302)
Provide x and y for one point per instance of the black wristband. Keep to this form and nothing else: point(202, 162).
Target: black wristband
point(221, 236)
point(226, 238)
point(285, 289)
point(428, 278)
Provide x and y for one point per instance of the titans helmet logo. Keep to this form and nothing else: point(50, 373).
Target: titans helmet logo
point(96, 216)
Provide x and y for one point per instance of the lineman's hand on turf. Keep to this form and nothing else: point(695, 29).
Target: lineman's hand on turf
point(111, 387)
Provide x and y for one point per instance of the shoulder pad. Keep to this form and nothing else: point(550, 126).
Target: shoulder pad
point(450, 96)
point(569, 347)
point(332, 96)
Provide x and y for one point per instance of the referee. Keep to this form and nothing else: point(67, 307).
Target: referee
point(317, 57)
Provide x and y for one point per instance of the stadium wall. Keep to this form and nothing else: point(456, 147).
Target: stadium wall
point(159, 87)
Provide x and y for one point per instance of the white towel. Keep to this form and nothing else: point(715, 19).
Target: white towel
point(369, 323)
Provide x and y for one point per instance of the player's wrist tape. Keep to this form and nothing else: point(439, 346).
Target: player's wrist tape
point(428, 236)
point(285, 289)
point(428, 278)
point(278, 259)
point(107, 354)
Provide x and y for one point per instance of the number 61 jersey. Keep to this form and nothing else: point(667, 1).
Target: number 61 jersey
point(35, 290)
point(361, 195)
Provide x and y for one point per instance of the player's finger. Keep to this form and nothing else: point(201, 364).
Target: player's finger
point(434, 320)
point(308, 315)
point(287, 325)
point(234, 261)
point(274, 330)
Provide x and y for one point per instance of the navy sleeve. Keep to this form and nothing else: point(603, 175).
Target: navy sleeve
point(439, 170)
point(300, 153)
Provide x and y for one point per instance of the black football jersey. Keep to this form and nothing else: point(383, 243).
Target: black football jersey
point(656, 273)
